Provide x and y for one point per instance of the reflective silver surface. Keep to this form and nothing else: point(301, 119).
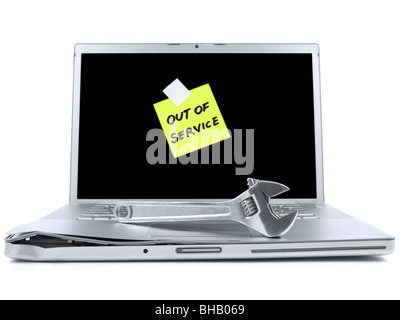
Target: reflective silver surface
point(250, 208)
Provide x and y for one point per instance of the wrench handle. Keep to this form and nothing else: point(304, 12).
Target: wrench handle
point(144, 213)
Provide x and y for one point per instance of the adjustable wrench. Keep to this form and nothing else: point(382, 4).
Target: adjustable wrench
point(250, 208)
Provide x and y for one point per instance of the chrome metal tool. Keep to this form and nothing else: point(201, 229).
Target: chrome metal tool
point(251, 208)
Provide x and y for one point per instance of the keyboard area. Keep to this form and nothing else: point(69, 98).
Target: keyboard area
point(99, 212)
point(303, 213)
point(104, 212)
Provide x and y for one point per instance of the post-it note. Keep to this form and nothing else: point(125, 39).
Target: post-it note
point(195, 124)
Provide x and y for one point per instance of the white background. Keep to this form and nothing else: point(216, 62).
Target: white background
point(360, 71)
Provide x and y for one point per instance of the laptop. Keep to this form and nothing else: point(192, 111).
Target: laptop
point(266, 96)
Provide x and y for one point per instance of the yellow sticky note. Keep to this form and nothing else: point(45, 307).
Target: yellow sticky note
point(195, 124)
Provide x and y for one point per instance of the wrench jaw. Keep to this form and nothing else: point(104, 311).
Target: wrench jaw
point(272, 189)
point(264, 220)
point(267, 227)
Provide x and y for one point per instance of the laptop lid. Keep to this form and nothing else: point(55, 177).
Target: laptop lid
point(267, 96)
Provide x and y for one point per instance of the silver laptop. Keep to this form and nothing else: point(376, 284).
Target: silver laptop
point(268, 97)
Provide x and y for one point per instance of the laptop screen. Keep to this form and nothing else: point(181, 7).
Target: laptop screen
point(265, 101)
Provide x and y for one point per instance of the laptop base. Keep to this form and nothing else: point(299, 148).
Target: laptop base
point(198, 252)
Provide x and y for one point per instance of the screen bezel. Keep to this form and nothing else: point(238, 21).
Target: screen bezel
point(80, 49)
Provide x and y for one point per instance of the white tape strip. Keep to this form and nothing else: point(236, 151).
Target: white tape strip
point(177, 92)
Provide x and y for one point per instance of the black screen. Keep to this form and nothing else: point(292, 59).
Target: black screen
point(270, 94)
